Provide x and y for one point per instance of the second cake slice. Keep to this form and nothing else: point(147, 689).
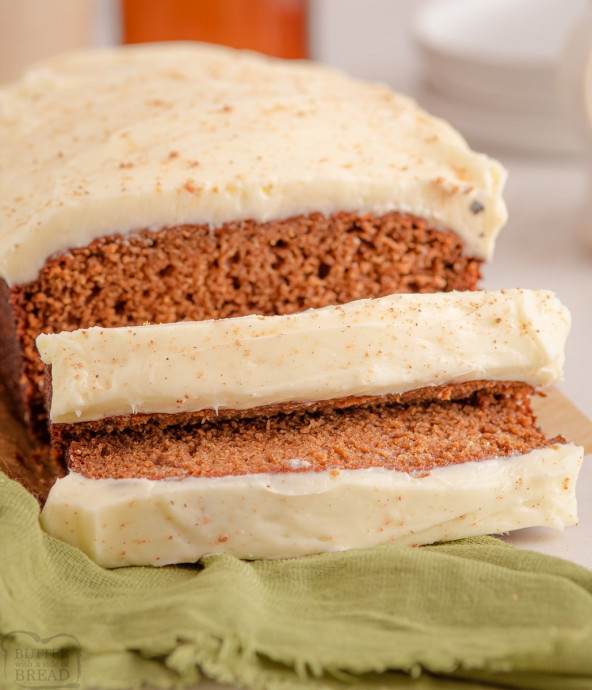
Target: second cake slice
point(405, 418)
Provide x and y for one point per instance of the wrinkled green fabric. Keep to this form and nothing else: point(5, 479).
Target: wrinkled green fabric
point(471, 614)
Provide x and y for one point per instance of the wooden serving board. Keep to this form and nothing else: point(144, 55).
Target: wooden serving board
point(557, 415)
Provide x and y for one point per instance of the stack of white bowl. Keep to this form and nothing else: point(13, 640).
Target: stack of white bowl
point(491, 69)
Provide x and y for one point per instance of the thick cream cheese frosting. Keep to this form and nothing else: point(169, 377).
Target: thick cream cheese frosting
point(122, 139)
point(370, 347)
point(120, 522)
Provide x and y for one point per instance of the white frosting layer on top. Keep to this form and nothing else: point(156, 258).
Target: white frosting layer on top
point(121, 522)
point(369, 347)
point(123, 139)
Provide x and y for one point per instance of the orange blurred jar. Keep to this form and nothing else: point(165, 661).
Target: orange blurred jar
point(274, 27)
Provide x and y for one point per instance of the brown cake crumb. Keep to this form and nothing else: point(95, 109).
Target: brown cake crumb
point(414, 437)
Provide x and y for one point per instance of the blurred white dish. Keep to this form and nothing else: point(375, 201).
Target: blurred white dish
point(485, 127)
point(490, 67)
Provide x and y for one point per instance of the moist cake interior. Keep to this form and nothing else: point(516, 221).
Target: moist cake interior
point(194, 273)
point(413, 436)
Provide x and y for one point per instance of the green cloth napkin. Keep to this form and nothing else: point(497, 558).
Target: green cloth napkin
point(471, 614)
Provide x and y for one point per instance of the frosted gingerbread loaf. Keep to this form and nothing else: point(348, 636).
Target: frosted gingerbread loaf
point(401, 419)
point(186, 182)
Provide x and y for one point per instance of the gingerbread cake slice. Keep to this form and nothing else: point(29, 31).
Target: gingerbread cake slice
point(188, 182)
point(401, 419)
